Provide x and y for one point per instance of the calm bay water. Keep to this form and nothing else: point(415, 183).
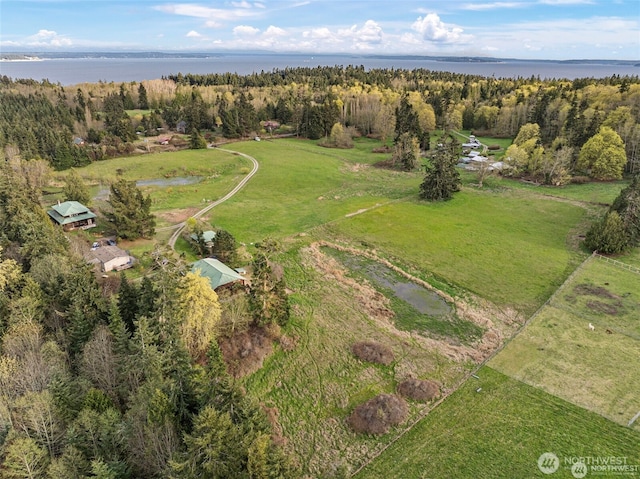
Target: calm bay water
point(71, 71)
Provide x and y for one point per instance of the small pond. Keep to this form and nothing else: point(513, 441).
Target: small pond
point(176, 181)
point(422, 299)
point(415, 308)
point(103, 193)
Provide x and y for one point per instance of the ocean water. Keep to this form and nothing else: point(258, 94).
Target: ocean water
point(71, 71)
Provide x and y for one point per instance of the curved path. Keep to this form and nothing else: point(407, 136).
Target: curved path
point(180, 226)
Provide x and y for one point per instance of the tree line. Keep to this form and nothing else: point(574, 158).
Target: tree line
point(110, 378)
point(41, 120)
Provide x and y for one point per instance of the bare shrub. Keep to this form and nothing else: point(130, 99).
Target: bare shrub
point(377, 415)
point(245, 352)
point(418, 390)
point(373, 352)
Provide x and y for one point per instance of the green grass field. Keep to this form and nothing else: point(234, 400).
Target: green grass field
point(300, 186)
point(597, 370)
point(317, 384)
point(511, 244)
point(505, 247)
point(500, 432)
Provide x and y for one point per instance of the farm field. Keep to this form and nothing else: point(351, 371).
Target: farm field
point(301, 186)
point(500, 431)
point(558, 353)
point(502, 250)
point(505, 247)
point(315, 385)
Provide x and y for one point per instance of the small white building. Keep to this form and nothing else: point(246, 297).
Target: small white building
point(109, 258)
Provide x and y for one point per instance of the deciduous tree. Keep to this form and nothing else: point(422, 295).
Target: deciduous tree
point(603, 156)
point(197, 312)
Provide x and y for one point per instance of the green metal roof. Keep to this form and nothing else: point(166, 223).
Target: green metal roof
point(70, 212)
point(208, 236)
point(216, 272)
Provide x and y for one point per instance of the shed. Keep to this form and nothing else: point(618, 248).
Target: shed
point(208, 237)
point(216, 272)
point(72, 215)
point(110, 258)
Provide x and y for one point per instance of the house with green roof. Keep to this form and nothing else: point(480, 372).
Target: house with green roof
point(216, 272)
point(72, 215)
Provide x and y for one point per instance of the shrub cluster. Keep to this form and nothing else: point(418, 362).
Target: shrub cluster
point(373, 352)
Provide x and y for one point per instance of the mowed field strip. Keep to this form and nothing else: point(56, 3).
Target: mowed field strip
point(595, 369)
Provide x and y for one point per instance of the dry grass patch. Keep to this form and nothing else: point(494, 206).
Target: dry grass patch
point(245, 352)
point(418, 389)
point(379, 414)
point(373, 352)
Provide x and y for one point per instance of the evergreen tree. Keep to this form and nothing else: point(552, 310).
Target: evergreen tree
point(225, 247)
point(128, 295)
point(143, 102)
point(130, 212)
point(268, 299)
point(607, 236)
point(407, 121)
point(442, 178)
point(75, 189)
point(196, 140)
point(147, 298)
point(627, 205)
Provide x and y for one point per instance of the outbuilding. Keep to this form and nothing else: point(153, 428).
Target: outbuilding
point(110, 258)
point(217, 272)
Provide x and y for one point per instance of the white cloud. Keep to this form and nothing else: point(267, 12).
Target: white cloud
point(193, 34)
point(48, 38)
point(567, 2)
point(370, 33)
point(322, 33)
point(492, 6)
point(213, 16)
point(557, 38)
point(245, 30)
point(275, 32)
point(433, 29)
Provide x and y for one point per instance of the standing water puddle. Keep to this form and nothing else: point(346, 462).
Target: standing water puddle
point(423, 300)
point(103, 193)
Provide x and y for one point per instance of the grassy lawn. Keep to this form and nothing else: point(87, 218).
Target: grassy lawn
point(506, 247)
point(300, 186)
point(217, 173)
point(500, 432)
point(596, 369)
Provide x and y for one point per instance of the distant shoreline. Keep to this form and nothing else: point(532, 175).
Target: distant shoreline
point(40, 56)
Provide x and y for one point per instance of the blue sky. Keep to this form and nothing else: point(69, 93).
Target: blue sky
point(528, 29)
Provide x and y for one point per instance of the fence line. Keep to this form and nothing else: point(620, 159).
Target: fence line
point(619, 264)
point(473, 373)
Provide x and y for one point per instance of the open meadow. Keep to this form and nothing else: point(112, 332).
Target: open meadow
point(595, 369)
point(496, 427)
point(497, 254)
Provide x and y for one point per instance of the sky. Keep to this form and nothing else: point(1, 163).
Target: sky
point(526, 29)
